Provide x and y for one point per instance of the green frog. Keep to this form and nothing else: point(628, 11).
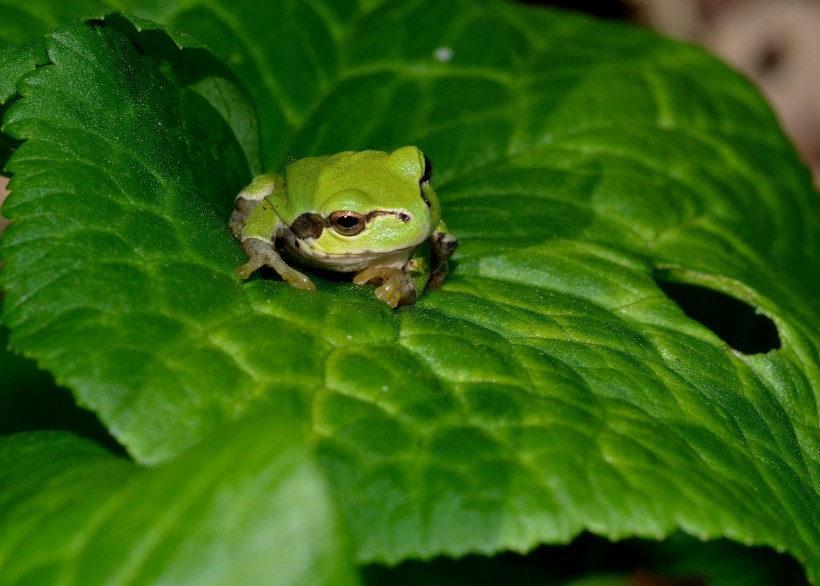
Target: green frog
point(370, 213)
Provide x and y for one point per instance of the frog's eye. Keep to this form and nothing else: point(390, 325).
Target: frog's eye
point(347, 223)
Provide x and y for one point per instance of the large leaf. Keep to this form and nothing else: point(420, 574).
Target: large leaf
point(551, 385)
point(81, 516)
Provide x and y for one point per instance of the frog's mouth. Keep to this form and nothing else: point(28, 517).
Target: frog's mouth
point(305, 251)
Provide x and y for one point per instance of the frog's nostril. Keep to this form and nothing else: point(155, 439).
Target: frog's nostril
point(403, 217)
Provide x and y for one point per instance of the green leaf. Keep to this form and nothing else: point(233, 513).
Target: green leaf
point(72, 513)
point(551, 386)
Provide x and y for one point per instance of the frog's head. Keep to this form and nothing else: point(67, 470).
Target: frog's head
point(360, 203)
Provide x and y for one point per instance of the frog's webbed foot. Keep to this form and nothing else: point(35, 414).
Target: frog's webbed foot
point(396, 287)
point(260, 254)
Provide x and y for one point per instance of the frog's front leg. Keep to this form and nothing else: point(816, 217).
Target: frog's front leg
point(255, 222)
point(262, 253)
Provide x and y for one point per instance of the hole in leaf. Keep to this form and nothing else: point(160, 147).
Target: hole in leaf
point(735, 322)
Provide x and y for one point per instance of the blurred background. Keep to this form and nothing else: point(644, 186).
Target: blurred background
point(776, 43)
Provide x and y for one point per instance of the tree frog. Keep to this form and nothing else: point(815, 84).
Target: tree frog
point(370, 213)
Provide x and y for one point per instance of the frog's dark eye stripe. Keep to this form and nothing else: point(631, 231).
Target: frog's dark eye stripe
point(400, 216)
point(347, 223)
point(424, 182)
point(428, 171)
point(308, 225)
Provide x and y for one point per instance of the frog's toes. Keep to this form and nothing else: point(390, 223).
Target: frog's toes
point(397, 290)
point(296, 279)
point(395, 286)
point(390, 295)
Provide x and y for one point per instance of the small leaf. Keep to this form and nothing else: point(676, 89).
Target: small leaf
point(74, 514)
